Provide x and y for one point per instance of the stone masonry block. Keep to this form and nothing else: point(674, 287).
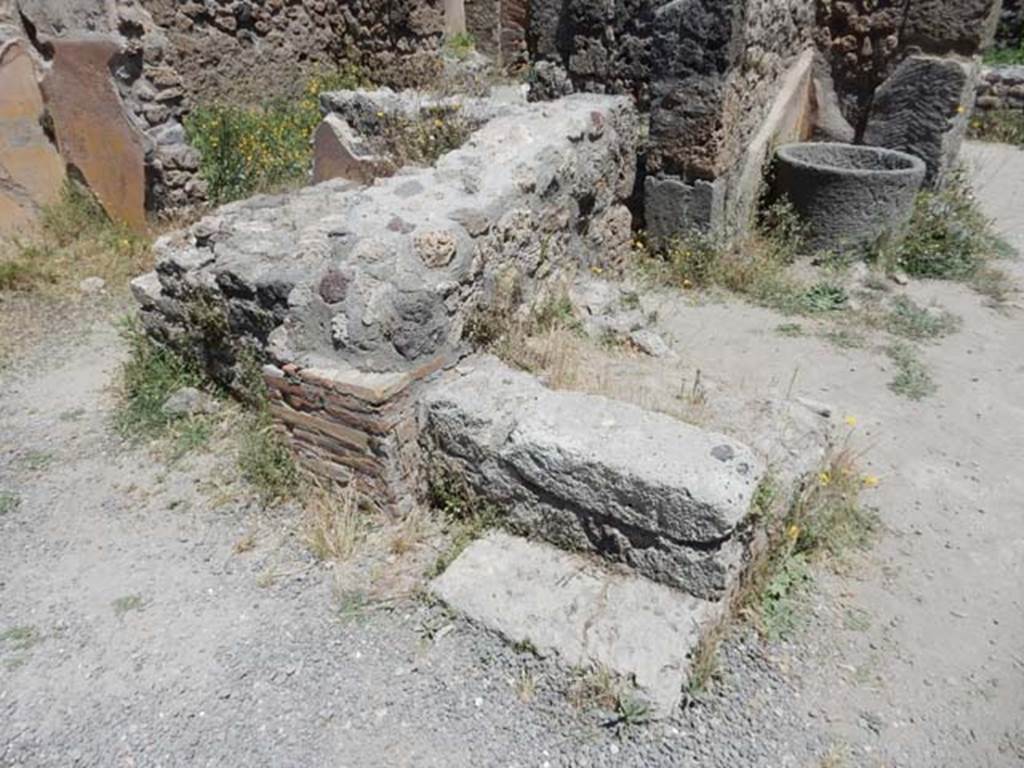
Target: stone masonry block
point(589, 473)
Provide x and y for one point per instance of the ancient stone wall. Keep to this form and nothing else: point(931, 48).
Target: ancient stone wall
point(1001, 88)
point(498, 28)
point(244, 51)
point(383, 283)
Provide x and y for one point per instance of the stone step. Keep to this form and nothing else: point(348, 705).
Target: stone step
point(588, 473)
point(584, 613)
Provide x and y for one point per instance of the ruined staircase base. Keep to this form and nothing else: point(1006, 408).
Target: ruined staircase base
point(583, 612)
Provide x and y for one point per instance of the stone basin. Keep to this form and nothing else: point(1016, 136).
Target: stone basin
point(849, 196)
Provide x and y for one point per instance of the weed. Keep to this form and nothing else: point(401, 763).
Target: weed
point(265, 460)
point(20, 638)
point(466, 515)
point(856, 620)
point(948, 237)
point(36, 460)
point(190, 435)
point(912, 379)
point(844, 338)
point(249, 150)
point(632, 710)
point(246, 543)
point(126, 604)
point(352, 603)
point(525, 685)
point(791, 330)
point(422, 140)
point(75, 239)
point(824, 521)
point(782, 598)
point(461, 45)
point(1005, 126)
point(150, 375)
point(823, 297)
point(1008, 55)
point(595, 686)
point(907, 319)
point(333, 527)
point(72, 415)
point(9, 502)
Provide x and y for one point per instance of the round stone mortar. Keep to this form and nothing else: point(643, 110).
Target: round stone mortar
point(848, 196)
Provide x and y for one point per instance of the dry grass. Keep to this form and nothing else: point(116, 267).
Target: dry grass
point(75, 239)
point(333, 526)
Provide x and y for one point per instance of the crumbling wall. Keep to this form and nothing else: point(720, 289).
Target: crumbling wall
point(383, 283)
point(1001, 89)
point(244, 51)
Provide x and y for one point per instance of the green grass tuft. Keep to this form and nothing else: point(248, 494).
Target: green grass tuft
point(150, 375)
point(9, 502)
point(912, 380)
point(912, 321)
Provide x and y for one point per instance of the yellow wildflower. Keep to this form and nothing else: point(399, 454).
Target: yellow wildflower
point(871, 481)
point(793, 532)
point(851, 421)
point(825, 478)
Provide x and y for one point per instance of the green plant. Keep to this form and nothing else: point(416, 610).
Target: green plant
point(265, 460)
point(783, 597)
point(1005, 55)
point(1005, 126)
point(907, 319)
point(461, 45)
point(823, 297)
point(948, 237)
point(75, 239)
point(466, 515)
point(424, 139)
point(126, 604)
point(9, 502)
point(20, 638)
point(149, 375)
point(912, 379)
point(792, 330)
point(247, 150)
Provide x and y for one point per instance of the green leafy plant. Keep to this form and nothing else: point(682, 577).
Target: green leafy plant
point(247, 150)
point(948, 237)
point(907, 319)
point(461, 45)
point(912, 380)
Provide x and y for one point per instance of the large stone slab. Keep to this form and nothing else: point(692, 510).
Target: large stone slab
point(564, 604)
point(592, 474)
point(923, 109)
point(943, 26)
point(93, 131)
point(31, 171)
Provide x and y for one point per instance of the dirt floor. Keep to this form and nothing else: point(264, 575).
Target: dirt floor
point(153, 614)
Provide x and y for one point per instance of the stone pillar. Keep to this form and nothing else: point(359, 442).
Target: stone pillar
point(924, 104)
point(454, 17)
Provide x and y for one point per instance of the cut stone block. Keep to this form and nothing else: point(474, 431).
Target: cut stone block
point(31, 171)
point(588, 473)
point(923, 109)
point(564, 604)
point(339, 154)
point(93, 132)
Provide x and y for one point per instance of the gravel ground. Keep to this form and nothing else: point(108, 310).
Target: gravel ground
point(135, 634)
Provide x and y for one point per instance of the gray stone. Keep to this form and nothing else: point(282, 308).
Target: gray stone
point(589, 473)
point(189, 401)
point(923, 109)
point(950, 26)
point(564, 604)
point(848, 196)
point(674, 208)
point(92, 285)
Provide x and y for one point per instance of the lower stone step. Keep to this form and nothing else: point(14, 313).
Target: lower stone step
point(583, 612)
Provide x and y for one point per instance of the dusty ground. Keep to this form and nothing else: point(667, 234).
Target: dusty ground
point(133, 633)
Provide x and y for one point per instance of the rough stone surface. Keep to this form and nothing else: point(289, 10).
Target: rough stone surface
point(849, 196)
point(566, 605)
point(592, 474)
point(923, 109)
point(189, 401)
point(338, 153)
point(673, 207)
point(31, 171)
point(93, 132)
point(965, 27)
point(1001, 88)
point(530, 195)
